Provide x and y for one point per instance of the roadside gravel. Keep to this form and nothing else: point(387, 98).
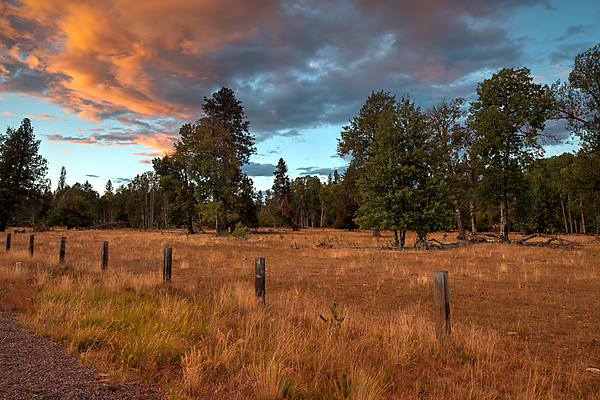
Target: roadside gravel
point(32, 367)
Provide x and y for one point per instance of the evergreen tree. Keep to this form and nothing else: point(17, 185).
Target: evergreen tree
point(507, 115)
point(282, 194)
point(22, 170)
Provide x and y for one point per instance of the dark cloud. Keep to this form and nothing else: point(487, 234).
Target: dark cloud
point(257, 169)
point(294, 65)
point(92, 176)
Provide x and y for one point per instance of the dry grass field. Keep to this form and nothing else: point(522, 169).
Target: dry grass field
point(525, 320)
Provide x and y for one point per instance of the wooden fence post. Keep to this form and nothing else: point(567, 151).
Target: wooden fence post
point(167, 266)
point(441, 296)
point(8, 241)
point(259, 278)
point(31, 241)
point(104, 256)
point(63, 246)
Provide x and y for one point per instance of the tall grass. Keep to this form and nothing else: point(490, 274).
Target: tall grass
point(523, 322)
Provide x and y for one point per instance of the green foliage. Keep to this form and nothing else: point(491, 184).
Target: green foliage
point(335, 320)
point(22, 170)
point(208, 160)
point(398, 186)
point(578, 100)
point(509, 112)
point(240, 230)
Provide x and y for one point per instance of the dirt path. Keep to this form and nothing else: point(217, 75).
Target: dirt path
point(32, 367)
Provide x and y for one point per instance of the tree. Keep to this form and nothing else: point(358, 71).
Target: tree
point(62, 180)
point(22, 169)
point(450, 150)
point(578, 101)
point(176, 185)
point(282, 194)
point(208, 159)
point(74, 206)
point(507, 115)
point(398, 186)
point(356, 141)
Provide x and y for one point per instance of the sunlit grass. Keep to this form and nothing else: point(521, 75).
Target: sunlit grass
point(524, 321)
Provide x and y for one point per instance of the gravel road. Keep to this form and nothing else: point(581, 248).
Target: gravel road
point(32, 367)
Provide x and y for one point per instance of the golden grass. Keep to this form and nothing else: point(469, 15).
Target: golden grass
point(524, 319)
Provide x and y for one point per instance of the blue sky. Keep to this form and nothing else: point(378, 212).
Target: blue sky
point(108, 83)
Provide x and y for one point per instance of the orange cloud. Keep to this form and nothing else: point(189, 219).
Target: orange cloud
point(117, 55)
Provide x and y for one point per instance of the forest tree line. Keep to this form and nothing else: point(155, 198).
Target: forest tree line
point(469, 167)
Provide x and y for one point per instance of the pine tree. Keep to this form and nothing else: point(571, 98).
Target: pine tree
point(22, 169)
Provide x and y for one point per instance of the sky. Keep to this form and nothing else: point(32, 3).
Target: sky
point(108, 83)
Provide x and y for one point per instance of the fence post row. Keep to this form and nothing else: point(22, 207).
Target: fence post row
point(8, 242)
point(259, 278)
point(63, 245)
point(104, 256)
point(31, 241)
point(441, 297)
point(167, 266)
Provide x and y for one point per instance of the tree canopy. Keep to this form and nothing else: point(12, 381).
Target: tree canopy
point(507, 115)
point(22, 169)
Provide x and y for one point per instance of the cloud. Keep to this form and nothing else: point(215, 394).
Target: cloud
point(254, 169)
point(294, 65)
point(8, 114)
point(321, 171)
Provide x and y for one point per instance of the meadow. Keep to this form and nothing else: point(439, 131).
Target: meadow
point(337, 323)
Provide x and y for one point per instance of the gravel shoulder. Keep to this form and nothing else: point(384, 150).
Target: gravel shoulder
point(32, 367)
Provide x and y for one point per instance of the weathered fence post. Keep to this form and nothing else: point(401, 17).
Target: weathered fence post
point(167, 266)
point(63, 246)
point(19, 267)
point(31, 241)
point(104, 256)
point(441, 297)
point(8, 242)
point(259, 278)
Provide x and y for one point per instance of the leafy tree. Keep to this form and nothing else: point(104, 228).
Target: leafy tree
point(22, 169)
point(356, 141)
point(450, 151)
point(578, 101)
point(398, 187)
point(75, 206)
point(507, 115)
point(177, 186)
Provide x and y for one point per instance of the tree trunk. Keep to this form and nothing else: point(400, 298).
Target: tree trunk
point(190, 225)
point(504, 221)
point(396, 239)
point(460, 222)
point(583, 227)
point(473, 210)
point(562, 203)
point(322, 213)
